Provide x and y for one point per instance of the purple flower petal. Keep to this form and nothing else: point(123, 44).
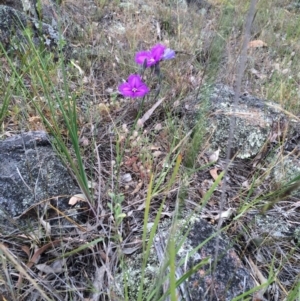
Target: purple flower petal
point(141, 56)
point(141, 91)
point(134, 80)
point(152, 57)
point(145, 55)
point(168, 54)
point(134, 87)
point(126, 90)
point(157, 52)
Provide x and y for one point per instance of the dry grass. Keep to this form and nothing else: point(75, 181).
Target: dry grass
point(208, 45)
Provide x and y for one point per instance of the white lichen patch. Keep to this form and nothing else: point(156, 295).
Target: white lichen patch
point(255, 142)
point(285, 168)
point(271, 226)
point(255, 120)
point(251, 130)
point(131, 275)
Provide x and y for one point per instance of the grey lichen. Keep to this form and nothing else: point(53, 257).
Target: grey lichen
point(285, 169)
point(188, 234)
point(254, 120)
point(32, 173)
point(132, 272)
point(131, 276)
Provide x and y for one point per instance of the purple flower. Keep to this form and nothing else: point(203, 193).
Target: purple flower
point(142, 56)
point(152, 57)
point(168, 54)
point(134, 87)
point(157, 52)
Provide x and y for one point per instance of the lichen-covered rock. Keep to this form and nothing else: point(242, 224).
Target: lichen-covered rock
point(200, 4)
point(253, 122)
point(16, 4)
point(23, 22)
point(31, 172)
point(229, 279)
point(285, 162)
point(16, 28)
point(273, 227)
point(43, 10)
point(257, 120)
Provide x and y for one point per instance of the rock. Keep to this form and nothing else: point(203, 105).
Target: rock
point(43, 10)
point(30, 173)
point(257, 120)
point(273, 227)
point(292, 5)
point(230, 277)
point(254, 120)
point(263, 130)
point(44, 18)
point(267, 140)
point(16, 4)
point(12, 27)
point(285, 162)
point(200, 4)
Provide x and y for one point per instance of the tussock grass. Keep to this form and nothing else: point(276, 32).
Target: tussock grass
point(95, 131)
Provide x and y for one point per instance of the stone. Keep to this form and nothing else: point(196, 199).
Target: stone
point(254, 121)
point(266, 140)
point(200, 4)
point(13, 25)
point(42, 20)
point(229, 280)
point(31, 172)
point(16, 4)
point(257, 120)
